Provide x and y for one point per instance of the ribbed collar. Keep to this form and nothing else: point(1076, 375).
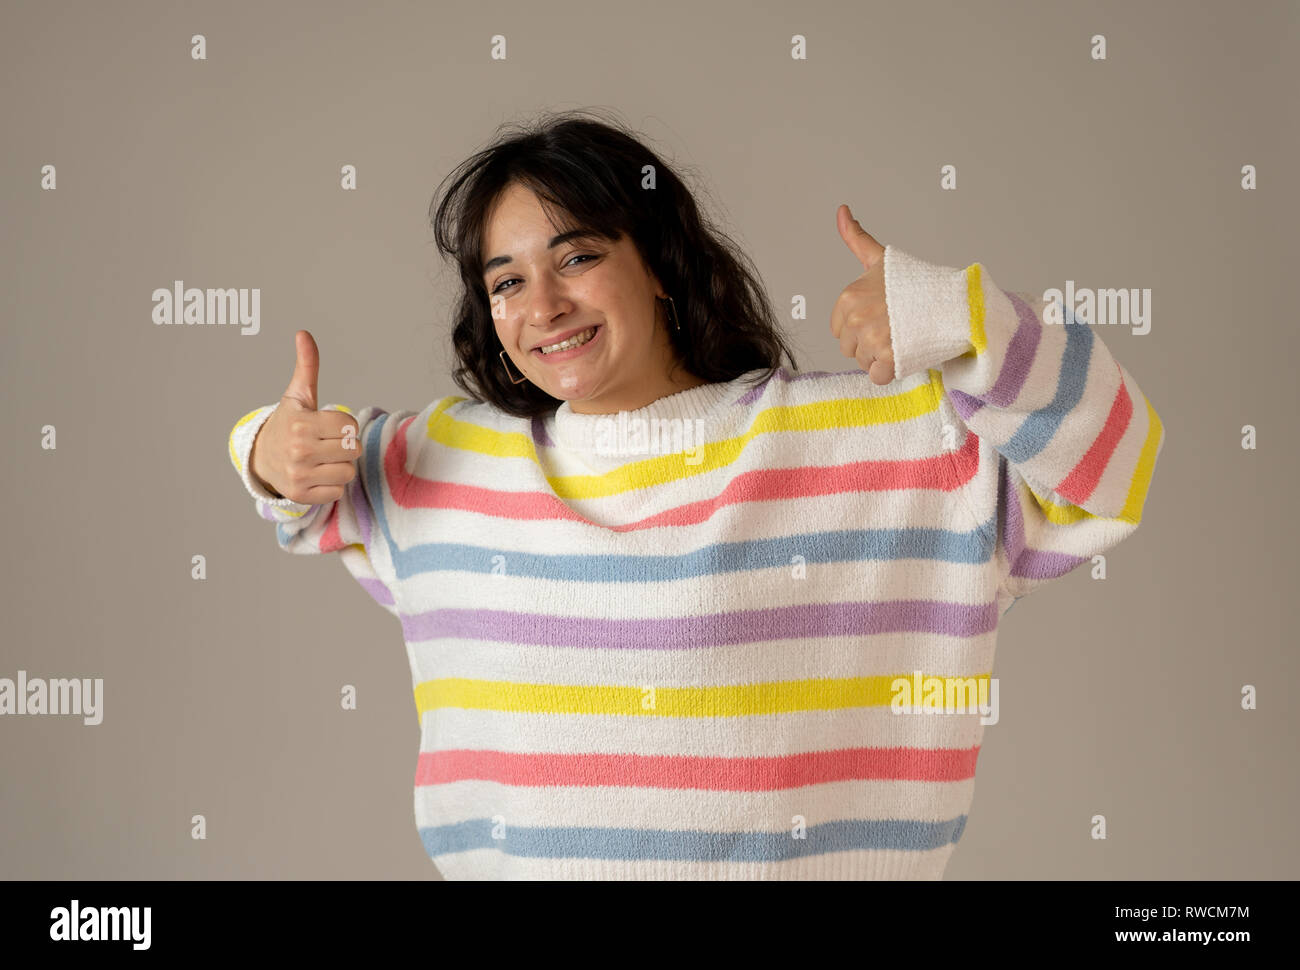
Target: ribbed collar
point(583, 432)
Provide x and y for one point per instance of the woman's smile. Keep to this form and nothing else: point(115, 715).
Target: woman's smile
point(569, 347)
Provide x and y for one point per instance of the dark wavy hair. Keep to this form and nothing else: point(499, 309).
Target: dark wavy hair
point(588, 173)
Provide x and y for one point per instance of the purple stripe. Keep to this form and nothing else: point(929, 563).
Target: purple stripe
point(540, 437)
point(964, 404)
point(381, 593)
point(1013, 523)
point(1027, 562)
point(1015, 366)
point(749, 626)
point(1036, 564)
point(1019, 356)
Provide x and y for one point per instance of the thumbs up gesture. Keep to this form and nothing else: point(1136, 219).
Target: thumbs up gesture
point(301, 453)
point(860, 318)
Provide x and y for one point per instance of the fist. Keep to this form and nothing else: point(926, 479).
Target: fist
point(301, 453)
point(860, 318)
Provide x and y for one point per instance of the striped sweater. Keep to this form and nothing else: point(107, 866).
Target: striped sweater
point(686, 659)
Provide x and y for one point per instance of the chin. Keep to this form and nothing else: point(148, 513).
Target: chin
point(576, 391)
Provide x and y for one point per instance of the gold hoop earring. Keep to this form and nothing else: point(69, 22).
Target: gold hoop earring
point(505, 364)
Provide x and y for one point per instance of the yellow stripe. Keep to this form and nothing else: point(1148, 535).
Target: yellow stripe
point(1067, 514)
point(234, 456)
point(1062, 514)
point(975, 299)
point(777, 697)
point(815, 416)
point(1137, 492)
point(470, 437)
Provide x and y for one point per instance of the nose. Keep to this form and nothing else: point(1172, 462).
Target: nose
point(547, 299)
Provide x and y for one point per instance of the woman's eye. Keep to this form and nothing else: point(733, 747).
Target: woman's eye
point(500, 287)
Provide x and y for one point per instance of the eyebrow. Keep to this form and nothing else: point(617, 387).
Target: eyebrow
point(559, 240)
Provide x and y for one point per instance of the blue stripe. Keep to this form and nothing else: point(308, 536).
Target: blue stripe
point(636, 844)
point(848, 545)
point(372, 449)
point(1040, 426)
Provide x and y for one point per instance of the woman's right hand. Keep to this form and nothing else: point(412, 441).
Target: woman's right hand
point(301, 453)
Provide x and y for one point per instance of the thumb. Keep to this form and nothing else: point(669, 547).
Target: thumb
point(302, 386)
point(861, 242)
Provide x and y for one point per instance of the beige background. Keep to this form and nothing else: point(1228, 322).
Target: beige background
point(221, 697)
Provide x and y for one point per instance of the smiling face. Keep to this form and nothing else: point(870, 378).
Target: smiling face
point(546, 286)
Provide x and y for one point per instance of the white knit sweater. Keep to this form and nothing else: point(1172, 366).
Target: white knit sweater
point(682, 662)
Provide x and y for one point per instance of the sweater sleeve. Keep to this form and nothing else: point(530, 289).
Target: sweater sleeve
point(348, 525)
point(1074, 438)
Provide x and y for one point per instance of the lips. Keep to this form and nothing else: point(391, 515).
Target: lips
point(561, 337)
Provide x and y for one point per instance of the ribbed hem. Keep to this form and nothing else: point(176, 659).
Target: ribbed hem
point(929, 312)
point(866, 864)
point(241, 444)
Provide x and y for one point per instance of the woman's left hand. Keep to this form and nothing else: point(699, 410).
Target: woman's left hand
point(860, 318)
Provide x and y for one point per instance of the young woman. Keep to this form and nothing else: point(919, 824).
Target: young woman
point(673, 609)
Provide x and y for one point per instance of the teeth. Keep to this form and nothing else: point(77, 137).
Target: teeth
point(575, 341)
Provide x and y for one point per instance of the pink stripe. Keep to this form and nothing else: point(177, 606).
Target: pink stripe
point(1079, 484)
point(330, 540)
point(944, 472)
point(708, 773)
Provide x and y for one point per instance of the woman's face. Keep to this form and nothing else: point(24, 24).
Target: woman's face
point(542, 292)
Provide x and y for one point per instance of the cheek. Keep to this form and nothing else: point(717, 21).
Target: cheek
point(507, 328)
point(626, 307)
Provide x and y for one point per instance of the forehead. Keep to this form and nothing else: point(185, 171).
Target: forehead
point(517, 211)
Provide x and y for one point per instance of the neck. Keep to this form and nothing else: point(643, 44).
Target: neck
point(638, 394)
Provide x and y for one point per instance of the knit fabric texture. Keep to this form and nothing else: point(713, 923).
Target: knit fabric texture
point(670, 643)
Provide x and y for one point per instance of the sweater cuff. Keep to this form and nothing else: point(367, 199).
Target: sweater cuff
point(241, 445)
point(929, 315)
